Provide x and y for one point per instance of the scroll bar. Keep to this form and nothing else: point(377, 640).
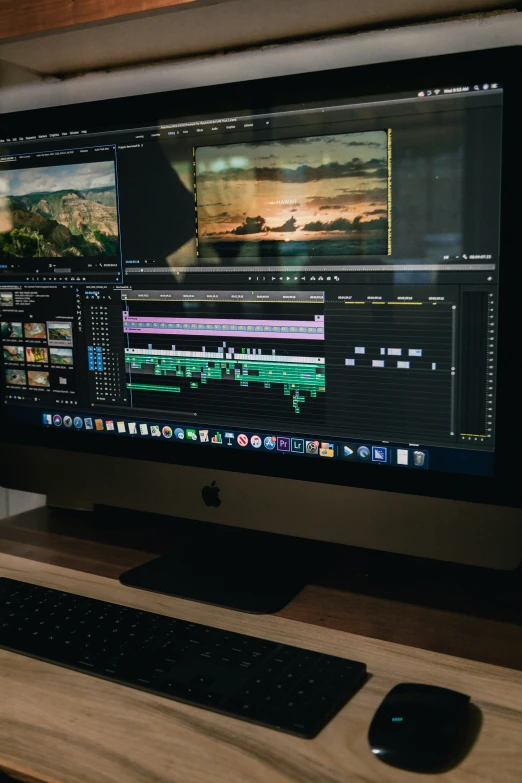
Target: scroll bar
point(453, 364)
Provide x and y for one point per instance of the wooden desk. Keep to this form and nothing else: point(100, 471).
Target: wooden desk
point(61, 726)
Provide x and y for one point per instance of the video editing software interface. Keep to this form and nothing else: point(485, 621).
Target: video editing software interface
point(317, 281)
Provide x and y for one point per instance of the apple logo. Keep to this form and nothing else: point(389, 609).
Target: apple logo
point(210, 495)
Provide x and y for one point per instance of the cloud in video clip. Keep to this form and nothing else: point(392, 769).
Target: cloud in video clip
point(320, 195)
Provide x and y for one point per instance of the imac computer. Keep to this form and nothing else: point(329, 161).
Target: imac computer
point(288, 305)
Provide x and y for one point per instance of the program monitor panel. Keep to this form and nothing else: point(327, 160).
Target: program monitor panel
point(316, 281)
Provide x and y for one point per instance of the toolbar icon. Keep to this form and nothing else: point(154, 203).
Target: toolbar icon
point(312, 447)
point(403, 457)
point(283, 444)
point(419, 458)
point(298, 445)
point(327, 450)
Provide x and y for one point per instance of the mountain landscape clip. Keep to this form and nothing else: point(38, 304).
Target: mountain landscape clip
point(59, 211)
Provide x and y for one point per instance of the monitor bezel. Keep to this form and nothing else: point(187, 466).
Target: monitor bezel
point(498, 65)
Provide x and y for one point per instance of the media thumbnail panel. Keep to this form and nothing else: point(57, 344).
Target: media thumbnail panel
point(228, 356)
point(39, 335)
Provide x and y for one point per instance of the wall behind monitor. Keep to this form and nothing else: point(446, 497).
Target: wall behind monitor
point(408, 42)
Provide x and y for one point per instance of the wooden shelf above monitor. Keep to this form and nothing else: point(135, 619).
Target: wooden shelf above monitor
point(239, 24)
point(30, 17)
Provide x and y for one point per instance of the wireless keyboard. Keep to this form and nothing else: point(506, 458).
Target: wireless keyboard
point(286, 688)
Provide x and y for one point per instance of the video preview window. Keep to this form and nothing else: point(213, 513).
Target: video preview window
point(59, 211)
point(311, 196)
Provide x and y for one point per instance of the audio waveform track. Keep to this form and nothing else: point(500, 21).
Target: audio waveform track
point(297, 374)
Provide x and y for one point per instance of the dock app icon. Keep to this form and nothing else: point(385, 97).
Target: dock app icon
point(327, 450)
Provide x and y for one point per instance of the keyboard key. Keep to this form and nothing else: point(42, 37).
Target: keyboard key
point(211, 697)
point(202, 680)
point(174, 688)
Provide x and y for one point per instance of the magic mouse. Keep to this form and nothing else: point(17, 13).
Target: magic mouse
point(421, 728)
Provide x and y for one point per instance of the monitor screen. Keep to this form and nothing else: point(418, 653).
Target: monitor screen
point(313, 281)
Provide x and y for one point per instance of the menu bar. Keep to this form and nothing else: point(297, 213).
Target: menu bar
point(245, 122)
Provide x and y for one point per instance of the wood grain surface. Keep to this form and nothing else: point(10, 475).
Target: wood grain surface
point(61, 726)
point(456, 610)
point(28, 17)
point(32, 17)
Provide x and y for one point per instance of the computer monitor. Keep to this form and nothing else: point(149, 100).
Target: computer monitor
point(289, 305)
